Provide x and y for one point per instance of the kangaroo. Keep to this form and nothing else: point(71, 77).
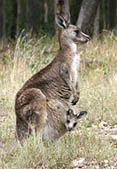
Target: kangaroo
point(58, 124)
point(72, 119)
point(57, 81)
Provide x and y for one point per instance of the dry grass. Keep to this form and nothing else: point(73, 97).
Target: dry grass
point(98, 83)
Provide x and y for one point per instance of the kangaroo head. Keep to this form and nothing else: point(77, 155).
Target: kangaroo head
point(72, 119)
point(70, 33)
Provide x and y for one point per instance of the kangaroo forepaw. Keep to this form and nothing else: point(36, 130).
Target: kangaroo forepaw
point(75, 100)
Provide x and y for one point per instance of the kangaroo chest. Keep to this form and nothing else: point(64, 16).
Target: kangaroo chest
point(74, 68)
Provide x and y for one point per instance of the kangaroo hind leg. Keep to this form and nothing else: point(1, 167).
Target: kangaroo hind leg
point(30, 112)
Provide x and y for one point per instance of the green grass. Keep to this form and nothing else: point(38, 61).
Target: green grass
point(98, 84)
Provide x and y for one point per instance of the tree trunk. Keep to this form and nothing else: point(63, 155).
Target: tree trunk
point(112, 13)
point(46, 11)
point(32, 16)
point(96, 23)
point(74, 10)
point(62, 8)
point(21, 16)
point(51, 16)
point(2, 19)
point(14, 19)
point(87, 16)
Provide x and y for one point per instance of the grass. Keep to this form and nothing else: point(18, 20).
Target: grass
point(98, 83)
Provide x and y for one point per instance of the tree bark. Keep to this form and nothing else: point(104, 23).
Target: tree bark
point(51, 16)
point(112, 14)
point(87, 16)
point(2, 19)
point(96, 23)
point(21, 15)
point(14, 19)
point(46, 11)
point(62, 8)
point(32, 16)
point(74, 10)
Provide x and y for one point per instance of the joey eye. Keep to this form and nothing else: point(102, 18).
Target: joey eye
point(74, 124)
point(68, 121)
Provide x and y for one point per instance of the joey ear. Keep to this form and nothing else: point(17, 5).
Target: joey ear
point(81, 115)
point(68, 112)
point(60, 21)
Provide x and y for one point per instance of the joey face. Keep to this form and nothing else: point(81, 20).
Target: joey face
point(72, 119)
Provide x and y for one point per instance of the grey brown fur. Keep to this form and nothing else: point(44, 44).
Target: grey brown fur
point(44, 98)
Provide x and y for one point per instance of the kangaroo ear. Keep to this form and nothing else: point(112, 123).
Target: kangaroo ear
point(61, 22)
point(81, 115)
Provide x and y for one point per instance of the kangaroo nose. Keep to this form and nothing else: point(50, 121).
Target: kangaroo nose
point(69, 129)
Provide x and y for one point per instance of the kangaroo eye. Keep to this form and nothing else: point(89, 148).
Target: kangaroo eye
point(68, 121)
point(74, 124)
point(77, 31)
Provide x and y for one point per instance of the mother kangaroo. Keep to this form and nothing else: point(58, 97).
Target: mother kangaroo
point(45, 97)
